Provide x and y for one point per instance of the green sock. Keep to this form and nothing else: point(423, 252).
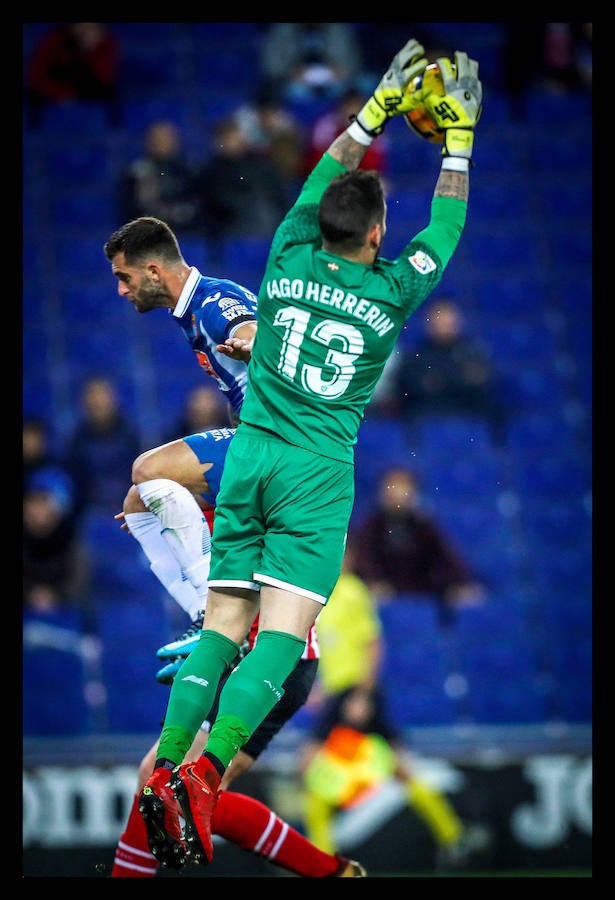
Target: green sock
point(193, 692)
point(252, 691)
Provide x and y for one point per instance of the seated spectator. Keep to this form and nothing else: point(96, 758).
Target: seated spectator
point(205, 408)
point(74, 61)
point(100, 451)
point(38, 455)
point(242, 192)
point(403, 549)
point(274, 132)
point(306, 60)
point(330, 124)
point(557, 56)
point(55, 566)
point(448, 372)
point(160, 182)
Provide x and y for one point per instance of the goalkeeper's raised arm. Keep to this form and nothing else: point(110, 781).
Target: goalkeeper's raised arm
point(399, 91)
point(392, 97)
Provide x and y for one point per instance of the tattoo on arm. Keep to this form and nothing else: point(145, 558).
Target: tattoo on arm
point(347, 151)
point(453, 184)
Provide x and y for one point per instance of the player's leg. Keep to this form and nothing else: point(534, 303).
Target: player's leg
point(144, 526)
point(294, 552)
point(292, 549)
point(133, 857)
point(253, 826)
point(257, 479)
point(168, 479)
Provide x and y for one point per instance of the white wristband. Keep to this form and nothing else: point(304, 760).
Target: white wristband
point(456, 164)
point(358, 134)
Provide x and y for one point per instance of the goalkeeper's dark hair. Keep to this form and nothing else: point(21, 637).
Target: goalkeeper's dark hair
point(351, 205)
point(145, 236)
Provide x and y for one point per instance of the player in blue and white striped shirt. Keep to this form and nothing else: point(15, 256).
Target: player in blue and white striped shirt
point(152, 274)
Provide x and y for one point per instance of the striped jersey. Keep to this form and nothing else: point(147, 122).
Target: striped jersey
point(209, 311)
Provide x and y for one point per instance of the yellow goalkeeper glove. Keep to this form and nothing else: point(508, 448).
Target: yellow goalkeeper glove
point(458, 111)
point(390, 97)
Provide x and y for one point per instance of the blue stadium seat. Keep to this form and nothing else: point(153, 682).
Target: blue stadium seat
point(493, 199)
point(534, 431)
point(571, 197)
point(496, 652)
point(85, 162)
point(120, 570)
point(508, 295)
point(54, 677)
point(554, 475)
point(415, 665)
point(569, 651)
point(131, 629)
point(571, 247)
point(78, 116)
point(556, 521)
point(240, 254)
point(504, 696)
point(82, 208)
point(500, 244)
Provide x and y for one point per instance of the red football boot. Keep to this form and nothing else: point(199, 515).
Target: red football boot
point(196, 787)
point(160, 812)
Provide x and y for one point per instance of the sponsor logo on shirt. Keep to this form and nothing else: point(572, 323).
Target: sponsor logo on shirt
point(422, 263)
point(203, 361)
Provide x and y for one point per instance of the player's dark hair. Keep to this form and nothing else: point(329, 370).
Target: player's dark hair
point(351, 205)
point(145, 236)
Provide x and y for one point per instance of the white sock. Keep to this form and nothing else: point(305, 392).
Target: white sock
point(145, 528)
point(183, 527)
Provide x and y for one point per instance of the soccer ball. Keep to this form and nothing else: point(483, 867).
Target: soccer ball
point(419, 119)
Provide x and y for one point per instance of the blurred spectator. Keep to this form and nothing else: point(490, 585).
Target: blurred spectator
point(242, 192)
point(448, 372)
point(353, 746)
point(330, 124)
point(205, 408)
point(306, 60)
point(274, 132)
point(160, 182)
point(37, 453)
point(584, 55)
point(404, 551)
point(74, 61)
point(101, 449)
point(556, 56)
point(55, 565)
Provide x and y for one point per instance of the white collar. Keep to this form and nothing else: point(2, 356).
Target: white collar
point(187, 291)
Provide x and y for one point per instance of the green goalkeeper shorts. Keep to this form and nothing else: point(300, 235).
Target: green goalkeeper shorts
point(281, 518)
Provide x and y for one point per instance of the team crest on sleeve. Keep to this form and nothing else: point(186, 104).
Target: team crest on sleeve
point(422, 263)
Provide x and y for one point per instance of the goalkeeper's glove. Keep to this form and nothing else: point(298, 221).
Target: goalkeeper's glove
point(390, 97)
point(458, 111)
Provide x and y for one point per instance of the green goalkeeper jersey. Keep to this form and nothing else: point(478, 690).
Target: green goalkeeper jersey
point(327, 325)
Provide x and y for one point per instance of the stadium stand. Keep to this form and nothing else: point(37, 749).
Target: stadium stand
point(521, 511)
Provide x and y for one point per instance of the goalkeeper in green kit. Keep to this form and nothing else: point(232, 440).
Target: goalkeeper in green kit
point(330, 310)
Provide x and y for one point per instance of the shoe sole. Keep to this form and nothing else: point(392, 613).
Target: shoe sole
point(195, 852)
point(167, 851)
